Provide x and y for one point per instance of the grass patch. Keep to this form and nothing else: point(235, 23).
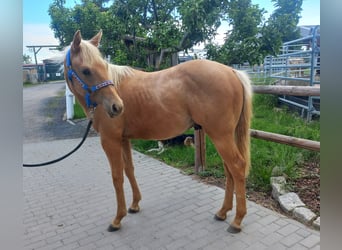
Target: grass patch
point(266, 155)
point(28, 84)
point(78, 111)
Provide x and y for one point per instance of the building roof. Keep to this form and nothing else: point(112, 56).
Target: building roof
point(306, 30)
point(31, 65)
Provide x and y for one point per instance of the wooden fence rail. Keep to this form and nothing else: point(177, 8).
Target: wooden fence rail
point(278, 138)
point(287, 90)
point(284, 139)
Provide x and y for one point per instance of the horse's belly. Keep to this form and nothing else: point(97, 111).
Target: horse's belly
point(157, 129)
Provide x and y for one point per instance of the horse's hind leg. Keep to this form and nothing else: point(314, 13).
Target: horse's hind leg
point(129, 170)
point(228, 197)
point(235, 165)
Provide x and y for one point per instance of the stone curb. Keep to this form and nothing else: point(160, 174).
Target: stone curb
point(292, 204)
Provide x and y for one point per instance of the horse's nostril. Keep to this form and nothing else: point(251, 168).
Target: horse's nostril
point(116, 109)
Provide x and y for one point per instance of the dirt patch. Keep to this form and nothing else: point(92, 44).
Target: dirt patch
point(308, 186)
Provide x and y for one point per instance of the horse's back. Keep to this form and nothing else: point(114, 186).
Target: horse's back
point(210, 81)
point(198, 91)
point(208, 75)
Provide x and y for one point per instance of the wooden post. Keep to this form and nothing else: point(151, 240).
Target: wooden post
point(199, 150)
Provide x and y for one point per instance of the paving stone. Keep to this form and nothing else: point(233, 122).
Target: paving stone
point(257, 245)
point(288, 229)
point(282, 222)
point(277, 246)
point(291, 239)
point(272, 238)
point(35, 244)
point(311, 241)
point(290, 201)
point(71, 246)
point(317, 223)
point(317, 247)
point(303, 232)
point(304, 215)
point(268, 219)
point(298, 246)
point(270, 228)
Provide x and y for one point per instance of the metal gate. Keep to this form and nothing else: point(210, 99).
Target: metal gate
point(298, 65)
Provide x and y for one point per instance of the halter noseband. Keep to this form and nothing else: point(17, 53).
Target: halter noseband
point(89, 90)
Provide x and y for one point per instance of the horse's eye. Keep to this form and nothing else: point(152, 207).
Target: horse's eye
point(86, 72)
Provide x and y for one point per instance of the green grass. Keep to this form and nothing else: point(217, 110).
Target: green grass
point(78, 111)
point(266, 155)
point(28, 84)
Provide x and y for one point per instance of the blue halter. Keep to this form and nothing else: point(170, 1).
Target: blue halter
point(89, 90)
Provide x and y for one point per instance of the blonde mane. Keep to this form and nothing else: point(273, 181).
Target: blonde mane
point(119, 72)
point(91, 53)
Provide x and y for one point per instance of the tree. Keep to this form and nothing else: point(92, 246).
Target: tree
point(286, 17)
point(281, 26)
point(137, 28)
point(99, 3)
point(200, 20)
point(168, 26)
point(61, 22)
point(250, 39)
point(27, 59)
point(242, 43)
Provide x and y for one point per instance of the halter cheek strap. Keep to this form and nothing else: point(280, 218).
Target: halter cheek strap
point(89, 90)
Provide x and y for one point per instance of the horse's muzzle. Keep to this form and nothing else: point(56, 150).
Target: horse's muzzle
point(115, 110)
point(113, 107)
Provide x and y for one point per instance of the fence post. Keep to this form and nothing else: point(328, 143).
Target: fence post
point(69, 98)
point(199, 150)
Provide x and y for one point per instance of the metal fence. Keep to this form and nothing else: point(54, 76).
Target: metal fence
point(298, 65)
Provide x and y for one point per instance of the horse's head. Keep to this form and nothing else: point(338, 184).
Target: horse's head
point(88, 75)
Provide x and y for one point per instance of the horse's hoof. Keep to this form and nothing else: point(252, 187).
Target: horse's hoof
point(112, 228)
point(233, 230)
point(216, 217)
point(133, 211)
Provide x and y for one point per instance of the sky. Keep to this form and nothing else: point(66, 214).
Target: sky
point(36, 20)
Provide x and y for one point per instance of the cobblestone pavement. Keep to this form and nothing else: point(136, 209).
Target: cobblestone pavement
point(68, 205)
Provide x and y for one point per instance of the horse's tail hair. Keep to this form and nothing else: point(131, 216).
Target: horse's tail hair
point(242, 134)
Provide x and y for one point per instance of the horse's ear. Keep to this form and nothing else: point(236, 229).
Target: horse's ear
point(76, 41)
point(96, 39)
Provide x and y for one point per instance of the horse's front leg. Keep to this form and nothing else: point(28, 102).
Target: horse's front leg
point(113, 150)
point(129, 170)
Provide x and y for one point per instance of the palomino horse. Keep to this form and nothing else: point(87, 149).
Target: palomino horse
point(125, 103)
